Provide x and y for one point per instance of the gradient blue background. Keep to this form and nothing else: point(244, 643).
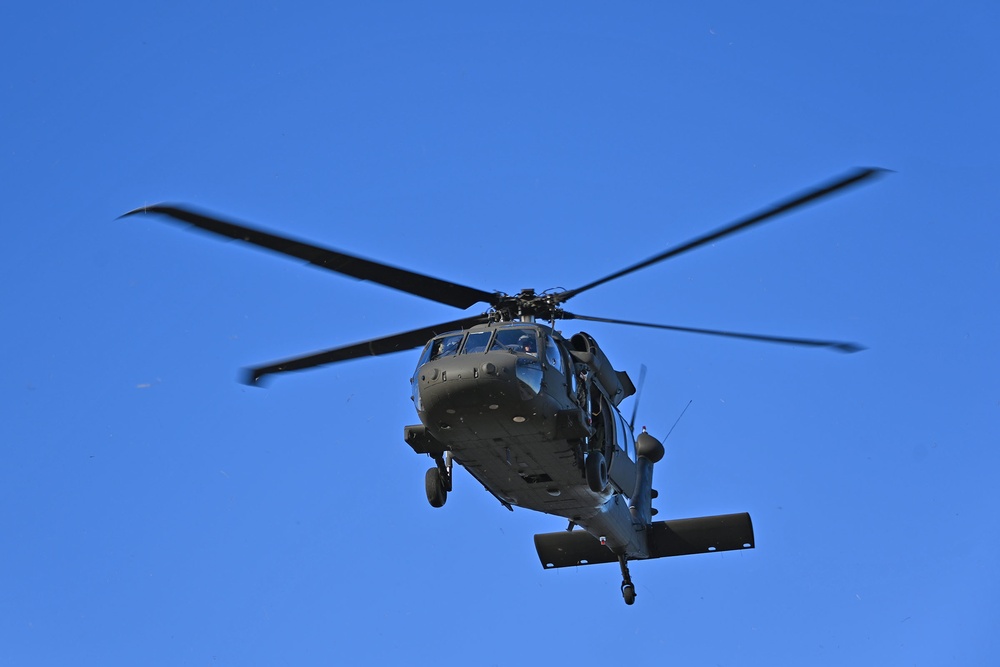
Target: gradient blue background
point(154, 511)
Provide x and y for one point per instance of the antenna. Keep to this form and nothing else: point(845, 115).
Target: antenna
point(678, 419)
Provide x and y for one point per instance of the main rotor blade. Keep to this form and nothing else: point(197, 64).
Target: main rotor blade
point(839, 346)
point(435, 289)
point(851, 178)
point(369, 348)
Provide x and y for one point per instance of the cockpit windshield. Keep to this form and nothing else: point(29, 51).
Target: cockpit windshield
point(445, 346)
point(522, 341)
point(477, 341)
point(518, 340)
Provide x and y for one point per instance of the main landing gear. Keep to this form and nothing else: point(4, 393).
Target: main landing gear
point(437, 481)
point(628, 588)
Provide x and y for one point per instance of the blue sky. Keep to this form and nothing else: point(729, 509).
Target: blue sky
point(155, 511)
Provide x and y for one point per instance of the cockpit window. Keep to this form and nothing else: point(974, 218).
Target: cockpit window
point(445, 346)
point(553, 357)
point(522, 341)
point(477, 342)
point(425, 356)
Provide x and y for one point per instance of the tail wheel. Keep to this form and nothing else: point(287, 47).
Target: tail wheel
point(434, 486)
point(597, 472)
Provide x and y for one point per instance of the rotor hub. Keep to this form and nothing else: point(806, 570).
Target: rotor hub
point(526, 303)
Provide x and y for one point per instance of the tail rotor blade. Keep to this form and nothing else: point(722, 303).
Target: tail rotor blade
point(638, 395)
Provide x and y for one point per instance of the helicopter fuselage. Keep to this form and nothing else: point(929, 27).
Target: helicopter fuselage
point(532, 415)
point(519, 408)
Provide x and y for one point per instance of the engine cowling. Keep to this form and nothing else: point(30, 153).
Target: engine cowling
point(617, 384)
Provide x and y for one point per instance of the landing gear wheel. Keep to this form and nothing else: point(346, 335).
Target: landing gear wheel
point(628, 589)
point(434, 486)
point(597, 472)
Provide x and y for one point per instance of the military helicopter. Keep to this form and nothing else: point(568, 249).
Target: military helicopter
point(533, 415)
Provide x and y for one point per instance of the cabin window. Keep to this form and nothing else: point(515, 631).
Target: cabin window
point(624, 436)
point(445, 346)
point(478, 341)
point(553, 356)
point(529, 375)
point(521, 341)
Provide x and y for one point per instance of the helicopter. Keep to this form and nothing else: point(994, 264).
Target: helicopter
point(533, 415)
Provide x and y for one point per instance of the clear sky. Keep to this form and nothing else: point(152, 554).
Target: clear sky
point(155, 511)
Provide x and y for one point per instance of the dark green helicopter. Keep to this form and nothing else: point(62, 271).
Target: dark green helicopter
point(531, 414)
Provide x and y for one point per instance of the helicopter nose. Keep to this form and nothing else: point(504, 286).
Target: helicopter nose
point(466, 384)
